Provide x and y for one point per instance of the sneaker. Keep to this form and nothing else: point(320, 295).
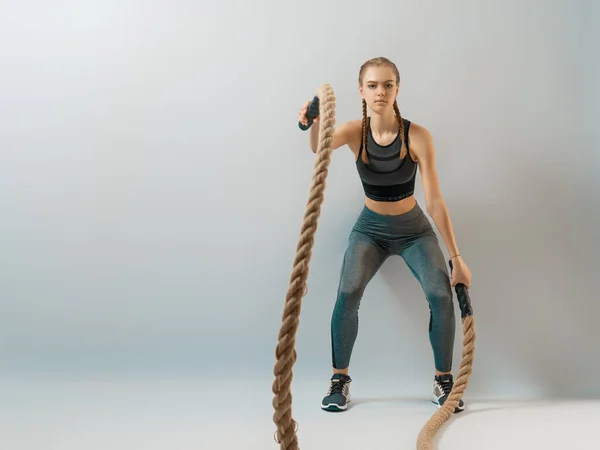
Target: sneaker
point(338, 395)
point(442, 385)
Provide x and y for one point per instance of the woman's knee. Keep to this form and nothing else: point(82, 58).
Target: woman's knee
point(357, 271)
point(440, 301)
point(348, 298)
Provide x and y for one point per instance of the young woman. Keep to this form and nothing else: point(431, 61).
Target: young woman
point(388, 149)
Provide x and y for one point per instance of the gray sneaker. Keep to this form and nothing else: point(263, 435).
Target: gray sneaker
point(338, 395)
point(442, 385)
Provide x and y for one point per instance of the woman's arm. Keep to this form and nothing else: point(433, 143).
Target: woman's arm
point(422, 146)
point(343, 134)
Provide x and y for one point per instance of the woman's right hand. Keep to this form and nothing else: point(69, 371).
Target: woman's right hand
point(302, 114)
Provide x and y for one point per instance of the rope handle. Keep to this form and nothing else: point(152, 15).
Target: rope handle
point(311, 114)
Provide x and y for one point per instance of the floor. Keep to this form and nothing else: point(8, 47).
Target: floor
point(132, 414)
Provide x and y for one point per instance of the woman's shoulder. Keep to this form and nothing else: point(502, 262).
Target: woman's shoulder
point(347, 133)
point(417, 132)
point(420, 139)
point(355, 124)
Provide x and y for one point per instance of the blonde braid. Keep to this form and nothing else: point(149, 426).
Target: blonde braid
point(404, 148)
point(364, 156)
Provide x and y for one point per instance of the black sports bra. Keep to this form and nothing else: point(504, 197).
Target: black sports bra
point(387, 178)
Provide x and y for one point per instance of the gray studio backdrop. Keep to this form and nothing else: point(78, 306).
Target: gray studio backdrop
point(153, 181)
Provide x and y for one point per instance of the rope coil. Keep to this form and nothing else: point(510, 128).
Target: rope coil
point(285, 352)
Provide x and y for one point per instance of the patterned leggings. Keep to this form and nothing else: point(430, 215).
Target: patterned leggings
point(373, 239)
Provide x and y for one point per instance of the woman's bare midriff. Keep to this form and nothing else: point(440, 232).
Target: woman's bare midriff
point(391, 208)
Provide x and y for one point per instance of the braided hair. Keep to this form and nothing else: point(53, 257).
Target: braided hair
point(380, 61)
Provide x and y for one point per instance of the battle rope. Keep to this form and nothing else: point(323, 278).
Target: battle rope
point(425, 439)
point(285, 352)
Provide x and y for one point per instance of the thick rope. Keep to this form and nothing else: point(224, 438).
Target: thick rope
point(285, 351)
point(425, 439)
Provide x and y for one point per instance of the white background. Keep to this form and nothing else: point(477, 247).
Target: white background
point(153, 181)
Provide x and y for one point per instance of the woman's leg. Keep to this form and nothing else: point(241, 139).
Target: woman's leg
point(363, 257)
point(425, 259)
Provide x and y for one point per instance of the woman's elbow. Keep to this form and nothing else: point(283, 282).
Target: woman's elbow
point(435, 206)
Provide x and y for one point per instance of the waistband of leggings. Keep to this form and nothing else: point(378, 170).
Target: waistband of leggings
point(413, 213)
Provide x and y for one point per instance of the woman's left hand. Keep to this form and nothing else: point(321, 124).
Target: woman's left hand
point(460, 272)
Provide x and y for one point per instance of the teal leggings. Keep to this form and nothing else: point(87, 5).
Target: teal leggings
point(373, 239)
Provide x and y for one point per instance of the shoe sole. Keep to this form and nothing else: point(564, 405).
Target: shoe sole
point(456, 410)
point(333, 407)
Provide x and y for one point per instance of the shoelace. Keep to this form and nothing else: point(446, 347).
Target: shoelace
point(446, 386)
point(336, 387)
